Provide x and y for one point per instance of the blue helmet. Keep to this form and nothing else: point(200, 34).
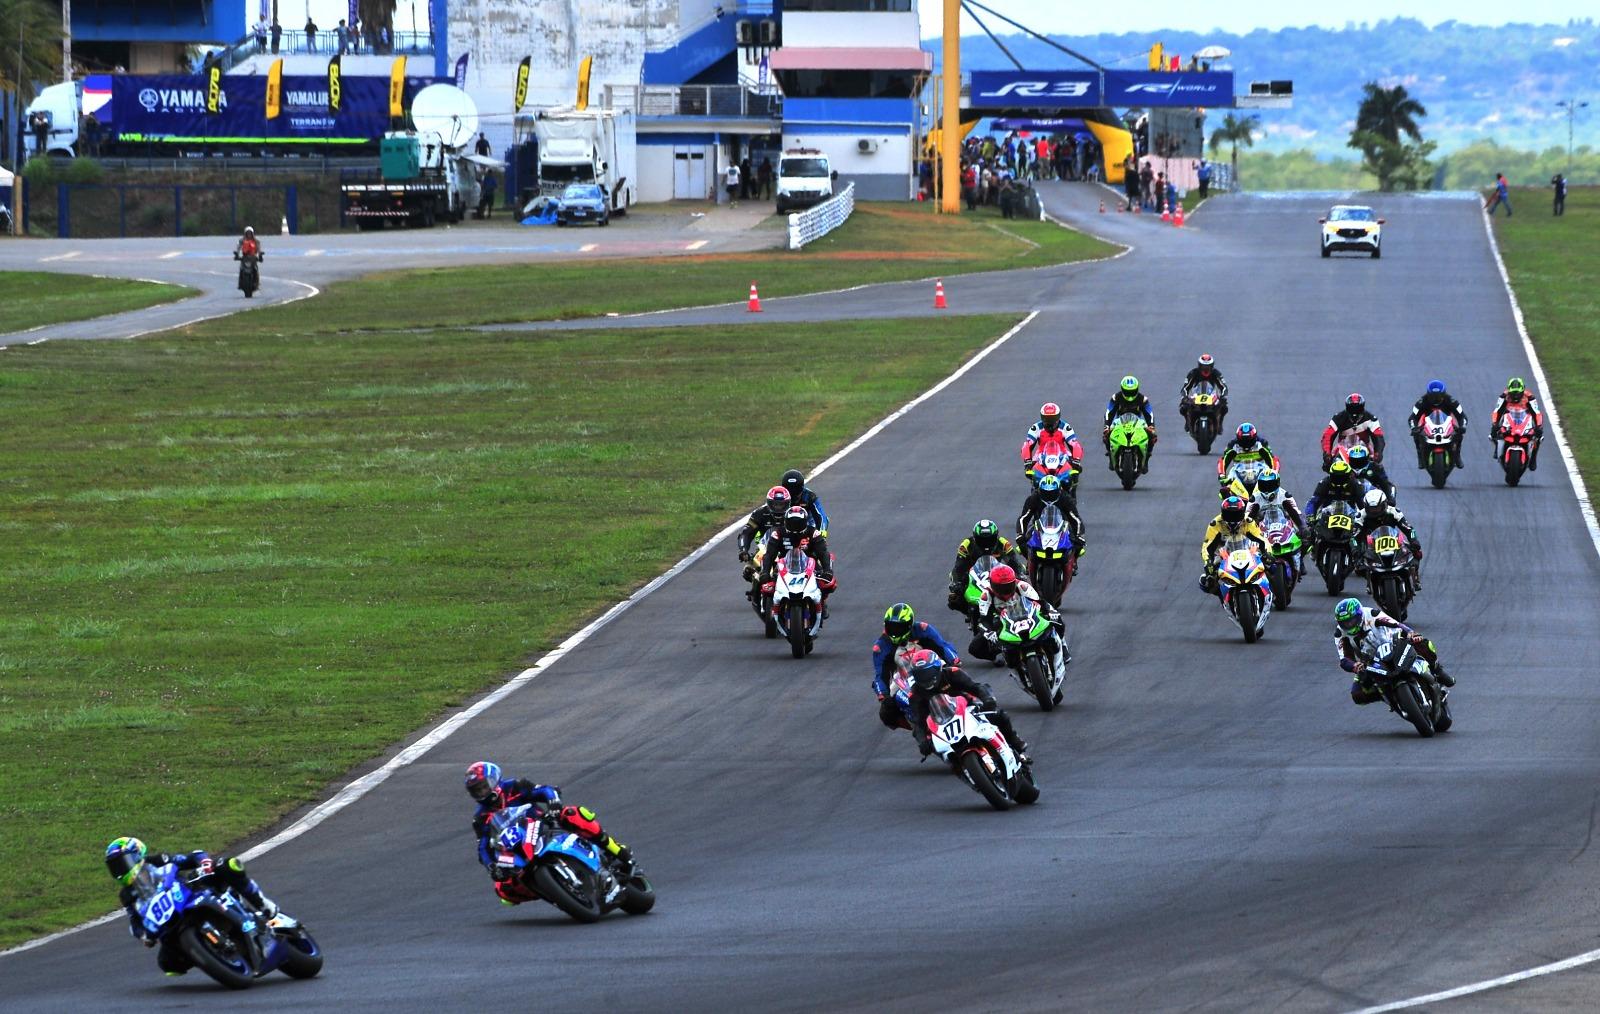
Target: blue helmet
point(1246, 435)
point(1049, 488)
point(926, 668)
point(1435, 387)
point(1348, 617)
point(483, 778)
point(124, 858)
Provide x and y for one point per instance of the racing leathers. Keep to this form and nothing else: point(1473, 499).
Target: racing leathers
point(546, 800)
point(761, 521)
point(776, 545)
point(1356, 650)
point(1041, 442)
point(923, 635)
point(1139, 405)
point(953, 680)
point(1260, 501)
point(1352, 424)
point(986, 641)
point(819, 517)
point(1067, 501)
point(1529, 402)
point(1216, 534)
point(1388, 514)
point(1429, 403)
point(967, 554)
point(1197, 376)
point(1333, 487)
point(1237, 453)
point(215, 874)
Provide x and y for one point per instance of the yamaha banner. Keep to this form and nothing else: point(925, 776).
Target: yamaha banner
point(172, 108)
point(1146, 88)
point(1045, 89)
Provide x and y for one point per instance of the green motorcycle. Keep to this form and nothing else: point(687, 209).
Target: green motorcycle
point(1033, 649)
point(1130, 447)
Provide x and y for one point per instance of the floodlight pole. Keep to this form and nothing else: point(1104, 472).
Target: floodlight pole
point(1571, 106)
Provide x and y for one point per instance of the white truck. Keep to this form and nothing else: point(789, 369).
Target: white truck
point(420, 181)
point(586, 146)
point(804, 179)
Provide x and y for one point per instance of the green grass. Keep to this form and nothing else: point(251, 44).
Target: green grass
point(239, 566)
point(880, 243)
point(1553, 263)
point(31, 299)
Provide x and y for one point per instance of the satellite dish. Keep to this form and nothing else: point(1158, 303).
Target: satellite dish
point(447, 111)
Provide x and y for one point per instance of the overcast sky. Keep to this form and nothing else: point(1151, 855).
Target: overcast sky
point(1241, 16)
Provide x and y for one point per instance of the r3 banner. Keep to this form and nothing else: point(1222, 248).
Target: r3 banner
point(1088, 89)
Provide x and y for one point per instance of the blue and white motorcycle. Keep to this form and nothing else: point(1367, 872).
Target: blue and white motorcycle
point(532, 851)
point(219, 933)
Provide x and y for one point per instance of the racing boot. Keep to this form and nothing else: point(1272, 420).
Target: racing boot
point(1444, 678)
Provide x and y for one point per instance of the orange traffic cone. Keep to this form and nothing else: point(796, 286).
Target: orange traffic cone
point(755, 299)
point(938, 295)
point(1102, 207)
point(1166, 212)
point(1177, 218)
point(1138, 209)
point(1121, 207)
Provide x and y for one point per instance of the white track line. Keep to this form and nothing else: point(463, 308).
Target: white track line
point(1587, 507)
point(69, 255)
point(697, 244)
point(169, 256)
point(439, 733)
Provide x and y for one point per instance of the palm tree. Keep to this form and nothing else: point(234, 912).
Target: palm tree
point(1235, 130)
point(1389, 112)
point(30, 46)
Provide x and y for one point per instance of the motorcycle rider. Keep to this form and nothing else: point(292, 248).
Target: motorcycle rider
point(1377, 511)
point(1517, 396)
point(801, 495)
point(1050, 435)
point(1368, 471)
point(1127, 399)
point(1339, 484)
point(930, 676)
point(1004, 586)
point(1247, 445)
point(761, 521)
point(248, 245)
point(1205, 371)
point(1352, 624)
point(1353, 421)
point(1436, 398)
point(798, 531)
point(1269, 492)
point(1233, 520)
point(903, 631)
point(1047, 490)
point(493, 792)
point(130, 864)
point(986, 540)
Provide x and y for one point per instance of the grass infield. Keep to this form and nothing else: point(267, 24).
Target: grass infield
point(240, 566)
point(30, 299)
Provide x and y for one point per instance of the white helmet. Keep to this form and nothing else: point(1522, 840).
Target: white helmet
point(249, 230)
point(1374, 499)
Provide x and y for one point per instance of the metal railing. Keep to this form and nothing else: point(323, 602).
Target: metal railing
point(815, 223)
point(293, 42)
point(723, 101)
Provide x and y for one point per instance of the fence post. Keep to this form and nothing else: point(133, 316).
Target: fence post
point(233, 209)
point(122, 212)
point(63, 210)
point(177, 211)
point(291, 200)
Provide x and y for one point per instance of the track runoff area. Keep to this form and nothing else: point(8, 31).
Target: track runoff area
point(1219, 826)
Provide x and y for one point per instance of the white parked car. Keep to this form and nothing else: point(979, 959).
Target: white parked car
point(1352, 227)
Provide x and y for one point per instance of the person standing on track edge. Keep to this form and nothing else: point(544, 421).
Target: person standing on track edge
point(1558, 183)
point(1502, 195)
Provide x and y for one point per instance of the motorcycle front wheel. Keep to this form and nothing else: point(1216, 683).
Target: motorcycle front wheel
point(305, 957)
point(638, 896)
point(1128, 468)
point(1439, 468)
point(1332, 565)
point(582, 903)
point(797, 629)
point(978, 775)
point(217, 954)
point(1405, 698)
point(1033, 669)
point(1248, 612)
point(1514, 465)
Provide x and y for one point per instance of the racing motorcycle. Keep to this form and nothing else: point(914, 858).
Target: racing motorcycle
point(571, 873)
point(1333, 533)
point(1244, 587)
point(1130, 447)
point(1034, 650)
point(1246, 473)
point(1386, 563)
point(964, 738)
point(1204, 402)
point(1052, 558)
point(218, 933)
point(1516, 443)
point(1406, 681)
point(1056, 463)
point(795, 601)
point(249, 272)
point(1438, 433)
point(1283, 566)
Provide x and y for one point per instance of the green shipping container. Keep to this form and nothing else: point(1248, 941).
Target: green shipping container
point(400, 158)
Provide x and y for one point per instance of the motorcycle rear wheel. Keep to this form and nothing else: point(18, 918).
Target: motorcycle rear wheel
point(797, 630)
point(230, 973)
point(769, 622)
point(1033, 669)
point(1411, 709)
point(584, 908)
point(978, 775)
point(1279, 577)
point(1049, 584)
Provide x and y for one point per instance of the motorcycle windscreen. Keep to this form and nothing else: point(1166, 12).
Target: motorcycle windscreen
point(1052, 528)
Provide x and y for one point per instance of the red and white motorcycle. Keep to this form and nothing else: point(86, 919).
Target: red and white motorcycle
point(1439, 439)
point(975, 749)
point(795, 601)
point(1517, 443)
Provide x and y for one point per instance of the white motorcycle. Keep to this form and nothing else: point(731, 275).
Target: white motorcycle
point(796, 601)
point(964, 738)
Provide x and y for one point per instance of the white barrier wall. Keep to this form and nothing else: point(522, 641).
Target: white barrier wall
point(814, 223)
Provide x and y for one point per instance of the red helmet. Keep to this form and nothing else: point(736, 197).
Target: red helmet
point(1003, 582)
point(1206, 363)
point(778, 499)
point(1355, 400)
point(1050, 415)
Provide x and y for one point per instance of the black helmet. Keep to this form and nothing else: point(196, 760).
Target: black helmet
point(926, 670)
point(1233, 511)
point(794, 481)
point(796, 522)
point(986, 536)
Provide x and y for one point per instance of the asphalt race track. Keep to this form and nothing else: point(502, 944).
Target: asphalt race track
point(1220, 828)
